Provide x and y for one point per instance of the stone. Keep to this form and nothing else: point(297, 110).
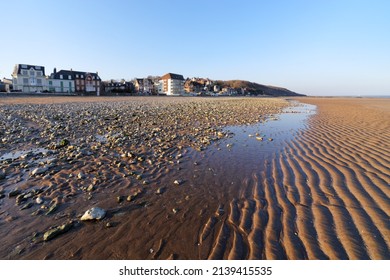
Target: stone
point(90, 188)
point(52, 209)
point(54, 232)
point(39, 170)
point(14, 192)
point(178, 182)
point(39, 200)
point(160, 190)
point(27, 206)
point(95, 213)
point(62, 143)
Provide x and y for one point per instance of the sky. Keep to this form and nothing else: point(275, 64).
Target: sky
point(322, 47)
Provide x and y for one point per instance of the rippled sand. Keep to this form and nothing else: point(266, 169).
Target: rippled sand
point(322, 194)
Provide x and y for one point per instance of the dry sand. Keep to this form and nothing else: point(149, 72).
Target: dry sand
point(323, 195)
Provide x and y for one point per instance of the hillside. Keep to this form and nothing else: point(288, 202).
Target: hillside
point(257, 89)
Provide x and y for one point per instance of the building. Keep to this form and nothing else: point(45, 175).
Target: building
point(172, 84)
point(139, 85)
point(122, 86)
point(144, 86)
point(61, 82)
point(29, 78)
point(6, 85)
point(83, 82)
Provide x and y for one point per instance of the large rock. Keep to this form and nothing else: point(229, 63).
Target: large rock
point(54, 232)
point(94, 213)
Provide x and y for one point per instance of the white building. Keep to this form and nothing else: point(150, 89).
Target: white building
point(29, 78)
point(62, 81)
point(172, 84)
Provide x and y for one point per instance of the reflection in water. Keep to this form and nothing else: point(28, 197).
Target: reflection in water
point(251, 145)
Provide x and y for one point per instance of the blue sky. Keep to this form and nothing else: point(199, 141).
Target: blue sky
point(323, 47)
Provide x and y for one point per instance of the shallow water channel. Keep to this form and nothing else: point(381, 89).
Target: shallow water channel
point(251, 146)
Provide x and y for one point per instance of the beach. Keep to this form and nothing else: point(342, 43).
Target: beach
point(195, 178)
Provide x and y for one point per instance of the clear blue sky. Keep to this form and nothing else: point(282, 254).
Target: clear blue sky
point(315, 47)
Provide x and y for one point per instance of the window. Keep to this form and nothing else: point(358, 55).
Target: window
point(25, 81)
point(39, 73)
point(39, 82)
point(38, 67)
point(24, 72)
point(24, 66)
point(82, 76)
point(69, 77)
point(50, 83)
point(32, 73)
point(77, 75)
point(77, 82)
point(61, 77)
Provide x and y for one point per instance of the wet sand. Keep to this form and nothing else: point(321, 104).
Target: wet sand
point(322, 193)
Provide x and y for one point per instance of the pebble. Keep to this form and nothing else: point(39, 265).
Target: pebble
point(14, 192)
point(39, 170)
point(54, 232)
point(27, 205)
point(178, 182)
point(160, 190)
point(39, 200)
point(95, 213)
point(90, 188)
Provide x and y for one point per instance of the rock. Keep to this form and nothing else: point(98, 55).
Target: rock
point(90, 188)
point(39, 170)
point(270, 139)
point(175, 210)
point(94, 213)
point(2, 175)
point(52, 209)
point(39, 200)
point(54, 232)
point(259, 138)
point(62, 143)
point(14, 192)
point(26, 206)
point(80, 175)
point(178, 182)
point(20, 199)
point(160, 190)
point(108, 225)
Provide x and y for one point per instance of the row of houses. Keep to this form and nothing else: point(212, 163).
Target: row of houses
point(32, 78)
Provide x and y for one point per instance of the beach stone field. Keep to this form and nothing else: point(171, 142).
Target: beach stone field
point(67, 162)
